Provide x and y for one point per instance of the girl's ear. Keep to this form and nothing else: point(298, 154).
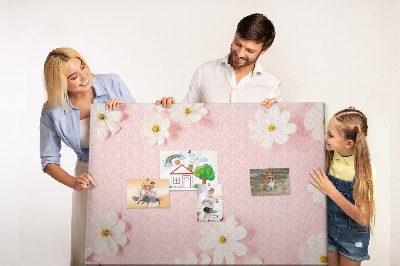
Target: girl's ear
point(349, 144)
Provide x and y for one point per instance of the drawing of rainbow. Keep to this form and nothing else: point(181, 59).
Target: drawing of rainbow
point(170, 158)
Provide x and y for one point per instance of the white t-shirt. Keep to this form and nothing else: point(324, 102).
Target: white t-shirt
point(215, 82)
point(209, 202)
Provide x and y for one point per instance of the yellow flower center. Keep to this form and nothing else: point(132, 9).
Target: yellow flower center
point(101, 116)
point(271, 128)
point(323, 259)
point(155, 128)
point(323, 122)
point(105, 232)
point(222, 239)
point(187, 111)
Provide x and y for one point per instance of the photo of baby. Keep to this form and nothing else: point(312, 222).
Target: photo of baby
point(209, 203)
point(271, 181)
point(147, 193)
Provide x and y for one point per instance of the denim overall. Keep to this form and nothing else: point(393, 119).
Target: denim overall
point(345, 235)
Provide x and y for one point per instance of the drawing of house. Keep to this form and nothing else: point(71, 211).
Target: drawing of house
point(182, 177)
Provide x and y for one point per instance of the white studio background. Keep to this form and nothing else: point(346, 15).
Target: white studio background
point(341, 53)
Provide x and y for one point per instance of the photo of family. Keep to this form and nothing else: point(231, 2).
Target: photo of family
point(209, 203)
point(147, 193)
point(271, 181)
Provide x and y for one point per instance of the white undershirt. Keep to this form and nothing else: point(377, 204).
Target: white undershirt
point(85, 132)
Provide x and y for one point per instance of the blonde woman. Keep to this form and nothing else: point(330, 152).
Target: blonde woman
point(71, 89)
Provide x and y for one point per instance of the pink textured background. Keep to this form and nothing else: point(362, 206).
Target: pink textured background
point(277, 226)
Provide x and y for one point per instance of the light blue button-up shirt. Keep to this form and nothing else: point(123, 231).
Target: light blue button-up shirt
point(57, 125)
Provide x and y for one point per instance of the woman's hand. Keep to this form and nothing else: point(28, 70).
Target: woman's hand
point(112, 103)
point(166, 102)
point(323, 182)
point(83, 182)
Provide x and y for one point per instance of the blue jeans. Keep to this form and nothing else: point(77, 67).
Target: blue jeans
point(345, 235)
point(208, 210)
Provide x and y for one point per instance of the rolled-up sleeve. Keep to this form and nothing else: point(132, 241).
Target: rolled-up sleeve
point(193, 95)
point(50, 143)
point(276, 92)
point(126, 95)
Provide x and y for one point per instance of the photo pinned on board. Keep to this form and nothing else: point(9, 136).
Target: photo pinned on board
point(185, 170)
point(209, 203)
point(147, 193)
point(271, 181)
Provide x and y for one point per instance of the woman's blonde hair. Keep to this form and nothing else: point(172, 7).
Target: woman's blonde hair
point(55, 80)
point(352, 124)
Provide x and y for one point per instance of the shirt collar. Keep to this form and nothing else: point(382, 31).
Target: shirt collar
point(349, 160)
point(257, 67)
point(98, 86)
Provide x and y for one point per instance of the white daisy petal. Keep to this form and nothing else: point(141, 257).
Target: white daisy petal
point(267, 143)
point(253, 262)
point(230, 225)
point(238, 233)
point(160, 139)
point(223, 237)
point(118, 228)
point(114, 128)
point(219, 255)
point(105, 233)
point(208, 243)
point(100, 246)
point(113, 115)
point(154, 129)
point(88, 252)
point(110, 220)
point(204, 260)
point(187, 113)
point(272, 127)
point(239, 248)
point(190, 258)
point(180, 261)
point(281, 138)
point(274, 113)
point(314, 120)
point(316, 250)
point(102, 130)
point(104, 120)
point(120, 239)
point(229, 257)
point(111, 246)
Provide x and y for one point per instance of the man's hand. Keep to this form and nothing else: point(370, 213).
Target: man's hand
point(268, 102)
point(166, 102)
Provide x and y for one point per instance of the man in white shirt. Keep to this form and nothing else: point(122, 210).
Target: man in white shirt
point(238, 77)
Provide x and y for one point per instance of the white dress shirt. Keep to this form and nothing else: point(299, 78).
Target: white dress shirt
point(215, 82)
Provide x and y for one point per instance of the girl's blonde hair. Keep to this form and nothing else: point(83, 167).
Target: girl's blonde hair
point(55, 80)
point(352, 124)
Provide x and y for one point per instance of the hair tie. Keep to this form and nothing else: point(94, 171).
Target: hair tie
point(352, 108)
point(358, 128)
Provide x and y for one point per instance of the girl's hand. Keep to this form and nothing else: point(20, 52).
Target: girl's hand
point(112, 103)
point(83, 182)
point(323, 182)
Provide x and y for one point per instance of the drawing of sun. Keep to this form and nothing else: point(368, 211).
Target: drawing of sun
point(177, 162)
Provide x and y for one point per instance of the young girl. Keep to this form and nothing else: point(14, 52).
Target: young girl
point(71, 89)
point(349, 185)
